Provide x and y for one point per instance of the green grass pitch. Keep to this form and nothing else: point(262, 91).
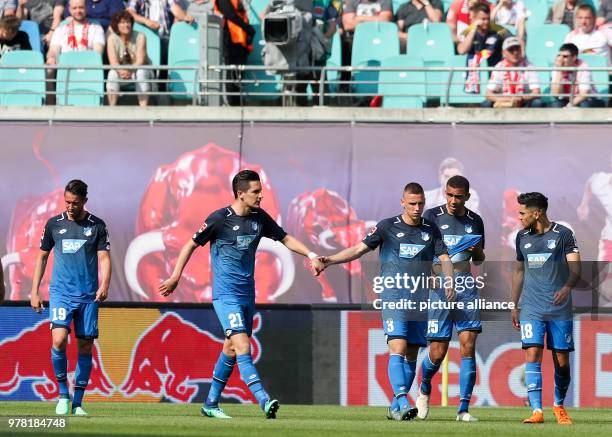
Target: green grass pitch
point(132, 419)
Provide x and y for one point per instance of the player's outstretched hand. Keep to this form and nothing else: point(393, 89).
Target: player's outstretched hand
point(36, 303)
point(515, 319)
point(317, 266)
point(561, 296)
point(101, 295)
point(167, 287)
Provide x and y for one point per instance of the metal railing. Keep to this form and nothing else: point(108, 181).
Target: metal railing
point(246, 84)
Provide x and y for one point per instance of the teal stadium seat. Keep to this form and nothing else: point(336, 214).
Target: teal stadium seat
point(396, 5)
point(260, 86)
point(373, 41)
point(153, 43)
point(28, 84)
point(434, 44)
point(536, 11)
point(334, 60)
point(409, 83)
point(183, 51)
point(544, 77)
point(33, 31)
point(79, 86)
point(544, 41)
point(457, 94)
point(599, 78)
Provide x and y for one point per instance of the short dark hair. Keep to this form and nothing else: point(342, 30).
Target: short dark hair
point(10, 23)
point(586, 7)
point(413, 188)
point(77, 187)
point(242, 179)
point(117, 17)
point(569, 47)
point(481, 7)
point(533, 200)
point(460, 182)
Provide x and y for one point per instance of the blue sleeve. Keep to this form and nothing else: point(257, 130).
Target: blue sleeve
point(271, 229)
point(568, 242)
point(209, 229)
point(429, 215)
point(482, 230)
point(519, 254)
point(375, 236)
point(439, 245)
point(46, 239)
point(103, 237)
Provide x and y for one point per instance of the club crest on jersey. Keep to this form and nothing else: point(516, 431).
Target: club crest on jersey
point(87, 232)
point(568, 338)
point(424, 236)
point(399, 235)
point(243, 241)
point(410, 250)
point(537, 260)
point(551, 244)
point(72, 246)
point(468, 229)
point(254, 226)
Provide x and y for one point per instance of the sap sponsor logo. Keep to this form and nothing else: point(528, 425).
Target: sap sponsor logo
point(537, 260)
point(243, 241)
point(451, 240)
point(72, 246)
point(424, 236)
point(551, 244)
point(61, 231)
point(87, 232)
point(527, 246)
point(410, 250)
point(444, 227)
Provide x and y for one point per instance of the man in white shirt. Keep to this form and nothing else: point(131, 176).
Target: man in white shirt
point(561, 84)
point(513, 88)
point(450, 167)
point(77, 34)
point(586, 37)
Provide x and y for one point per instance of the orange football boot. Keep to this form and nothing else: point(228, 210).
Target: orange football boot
point(561, 415)
point(536, 417)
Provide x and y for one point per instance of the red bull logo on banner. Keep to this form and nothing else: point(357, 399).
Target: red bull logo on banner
point(142, 355)
point(499, 359)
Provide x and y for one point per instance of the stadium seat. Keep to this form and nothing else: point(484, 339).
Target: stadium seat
point(434, 44)
point(544, 77)
point(260, 85)
point(409, 83)
point(183, 51)
point(600, 78)
point(79, 86)
point(33, 31)
point(373, 42)
point(457, 94)
point(153, 43)
point(536, 11)
point(335, 60)
point(396, 5)
point(28, 83)
point(544, 41)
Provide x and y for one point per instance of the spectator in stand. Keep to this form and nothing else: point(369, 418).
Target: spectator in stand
point(562, 81)
point(586, 37)
point(100, 11)
point(76, 35)
point(326, 16)
point(157, 15)
point(511, 13)
point(127, 47)
point(237, 43)
point(11, 38)
point(563, 12)
point(459, 16)
point(415, 12)
point(40, 11)
point(604, 14)
point(7, 7)
point(482, 39)
point(360, 11)
point(509, 88)
point(192, 10)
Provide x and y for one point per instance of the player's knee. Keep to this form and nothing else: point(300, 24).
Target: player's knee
point(85, 346)
point(468, 350)
point(59, 344)
point(534, 355)
point(437, 351)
